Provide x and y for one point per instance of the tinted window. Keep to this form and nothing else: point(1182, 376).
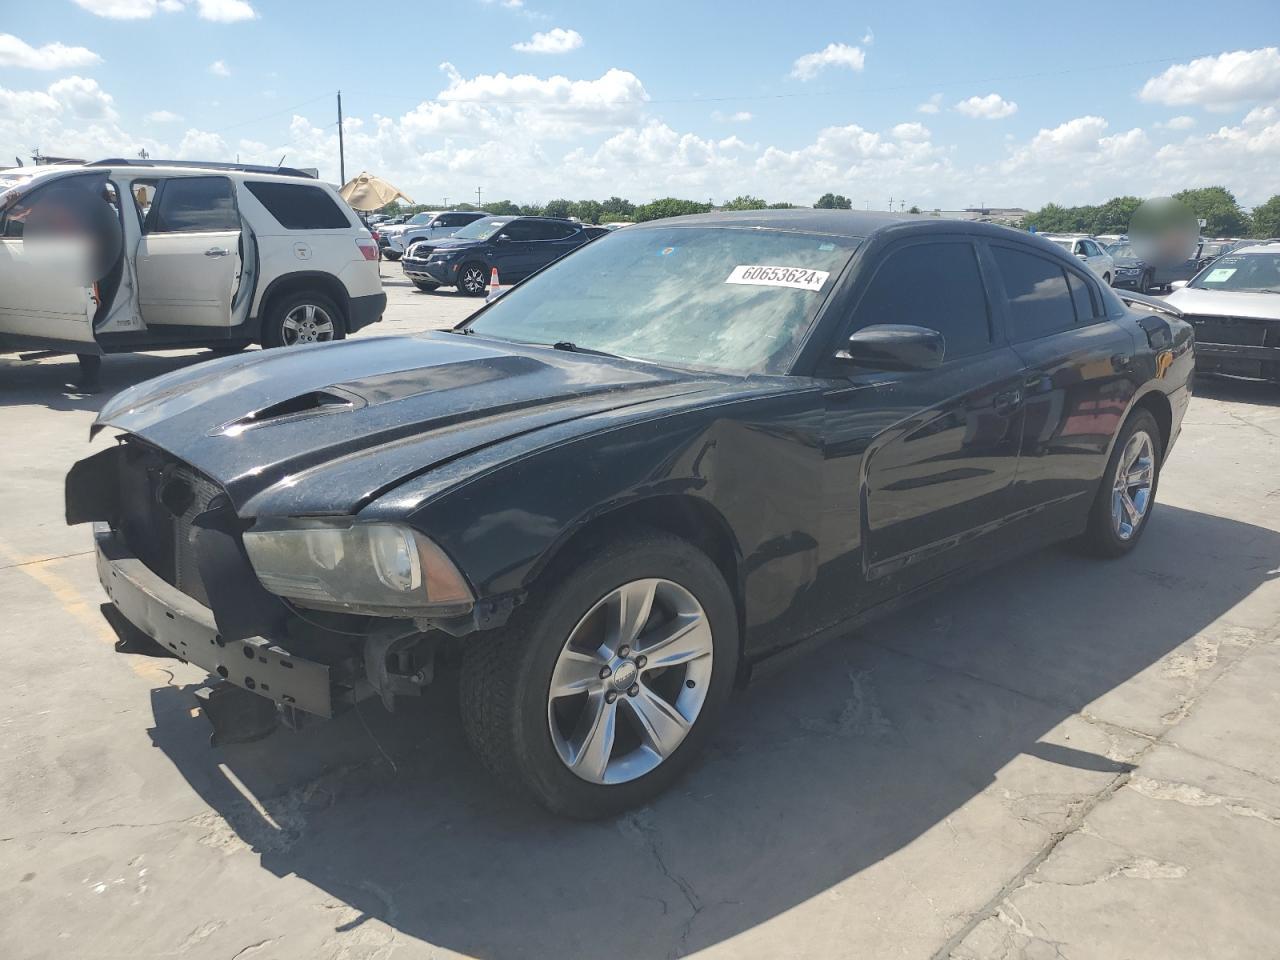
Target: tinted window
point(1086, 309)
point(299, 207)
point(934, 285)
point(194, 205)
point(1039, 301)
point(559, 231)
point(524, 230)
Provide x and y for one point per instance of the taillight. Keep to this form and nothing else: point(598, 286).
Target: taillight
point(368, 246)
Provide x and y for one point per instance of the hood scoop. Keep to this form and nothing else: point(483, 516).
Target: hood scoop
point(313, 403)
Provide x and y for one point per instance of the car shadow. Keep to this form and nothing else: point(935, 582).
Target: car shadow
point(1237, 389)
point(53, 382)
point(820, 770)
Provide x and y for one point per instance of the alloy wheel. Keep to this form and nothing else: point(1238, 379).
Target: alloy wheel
point(630, 681)
point(1131, 488)
point(472, 280)
point(306, 323)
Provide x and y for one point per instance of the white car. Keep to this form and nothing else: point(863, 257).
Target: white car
point(427, 226)
point(1233, 304)
point(182, 255)
point(1087, 249)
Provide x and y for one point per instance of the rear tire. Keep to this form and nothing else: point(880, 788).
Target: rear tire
point(473, 279)
point(303, 317)
point(1127, 493)
point(525, 733)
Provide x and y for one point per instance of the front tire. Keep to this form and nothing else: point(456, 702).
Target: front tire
point(473, 279)
point(601, 691)
point(1144, 285)
point(304, 317)
point(1106, 278)
point(390, 254)
point(426, 286)
point(1127, 494)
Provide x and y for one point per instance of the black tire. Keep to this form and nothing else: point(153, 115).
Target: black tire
point(229, 349)
point(505, 680)
point(390, 254)
point(1106, 278)
point(1101, 539)
point(468, 284)
point(273, 325)
point(426, 286)
point(1144, 284)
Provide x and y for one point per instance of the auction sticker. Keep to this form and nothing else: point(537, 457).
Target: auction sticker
point(800, 278)
point(1220, 275)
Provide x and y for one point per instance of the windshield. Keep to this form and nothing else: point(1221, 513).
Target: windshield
point(1122, 251)
point(1215, 249)
point(420, 218)
point(718, 298)
point(1064, 244)
point(1247, 272)
point(480, 229)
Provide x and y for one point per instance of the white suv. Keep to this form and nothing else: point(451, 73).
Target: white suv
point(426, 226)
point(181, 255)
point(1089, 250)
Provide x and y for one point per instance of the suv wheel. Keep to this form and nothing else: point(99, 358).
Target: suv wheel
point(304, 317)
point(1106, 278)
point(1144, 285)
point(1128, 491)
point(390, 254)
point(426, 286)
point(473, 280)
point(602, 690)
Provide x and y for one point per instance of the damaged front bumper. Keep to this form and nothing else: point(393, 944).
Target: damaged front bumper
point(186, 629)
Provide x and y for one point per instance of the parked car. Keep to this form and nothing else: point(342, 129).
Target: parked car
point(1233, 304)
point(1131, 270)
point(1107, 239)
point(1088, 250)
point(517, 246)
point(439, 227)
point(1165, 275)
point(191, 255)
point(391, 229)
point(618, 488)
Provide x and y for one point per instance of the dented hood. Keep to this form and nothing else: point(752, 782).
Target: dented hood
point(325, 429)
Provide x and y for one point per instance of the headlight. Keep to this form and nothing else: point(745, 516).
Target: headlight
point(375, 568)
point(442, 255)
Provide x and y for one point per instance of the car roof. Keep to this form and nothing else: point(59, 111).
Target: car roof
point(161, 170)
point(1257, 248)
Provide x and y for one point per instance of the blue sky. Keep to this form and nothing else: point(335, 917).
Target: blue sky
point(939, 104)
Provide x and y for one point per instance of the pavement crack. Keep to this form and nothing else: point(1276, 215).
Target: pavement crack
point(1193, 796)
point(253, 948)
point(640, 828)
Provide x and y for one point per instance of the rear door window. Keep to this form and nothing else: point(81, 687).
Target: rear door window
point(297, 206)
point(194, 205)
point(1082, 298)
point(934, 285)
point(1040, 302)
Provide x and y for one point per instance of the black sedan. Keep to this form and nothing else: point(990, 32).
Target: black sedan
point(516, 246)
point(682, 450)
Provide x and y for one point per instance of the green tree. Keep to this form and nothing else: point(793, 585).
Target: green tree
point(1266, 218)
point(557, 208)
point(530, 210)
point(1115, 215)
point(914, 209)
point(615, 208)
point(588, 211)
point(782, 206)
point(669, 207)
point(392, 209)
point(502, 208)
point(746, 202)
point(833, 201)
point(1217, 206)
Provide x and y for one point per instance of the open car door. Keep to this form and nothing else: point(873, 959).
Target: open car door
point(60, 239)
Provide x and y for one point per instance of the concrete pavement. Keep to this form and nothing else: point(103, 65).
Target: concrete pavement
point(1066, 758)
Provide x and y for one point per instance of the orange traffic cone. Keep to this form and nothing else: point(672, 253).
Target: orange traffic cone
point(495, 288)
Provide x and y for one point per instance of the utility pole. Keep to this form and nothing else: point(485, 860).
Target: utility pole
point(342, 150)
point(446, 203)
point(477, 197)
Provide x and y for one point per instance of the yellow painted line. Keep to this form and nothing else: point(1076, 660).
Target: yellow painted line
point(69, 597)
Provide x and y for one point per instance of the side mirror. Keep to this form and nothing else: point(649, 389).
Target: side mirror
point(502, 238)
point(1083, 256)
point(893, 346)
point(1177, 285)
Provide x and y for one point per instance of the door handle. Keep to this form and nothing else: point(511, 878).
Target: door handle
point(217, 252)
point(1006, 403)
point(1121, 361)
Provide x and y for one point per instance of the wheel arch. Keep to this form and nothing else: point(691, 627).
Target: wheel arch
point(1157, 404)
point(690, 518)
point(290, 283)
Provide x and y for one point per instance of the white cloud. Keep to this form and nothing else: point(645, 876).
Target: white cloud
point(15, 52)
point(740, 116)
point(868, 38)
point(129, 9)
point(1219, 81)
point(932, 105)
point(1177, 123)
point(833, 55)
point(219, 68)
point(162, 116)
point(225, 11)
point(911, 131)
point(991, 107)
point(555, 40)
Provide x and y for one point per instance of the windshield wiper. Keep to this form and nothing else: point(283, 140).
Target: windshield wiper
point(570, 347)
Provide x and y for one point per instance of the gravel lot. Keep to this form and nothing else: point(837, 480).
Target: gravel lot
point(1066, 758)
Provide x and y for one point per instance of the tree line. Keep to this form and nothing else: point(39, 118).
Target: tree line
point(1216, 205)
